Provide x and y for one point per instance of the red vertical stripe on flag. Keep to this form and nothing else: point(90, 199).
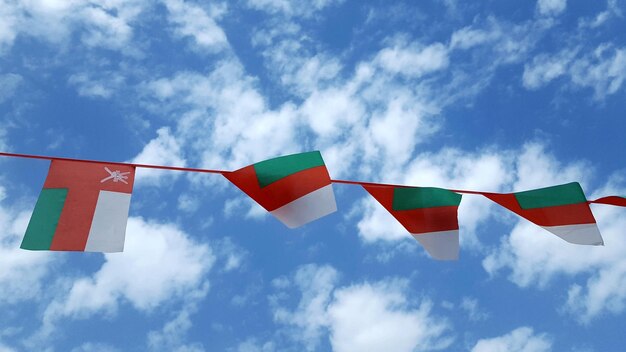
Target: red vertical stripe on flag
point(75, 221)
point(84, 182)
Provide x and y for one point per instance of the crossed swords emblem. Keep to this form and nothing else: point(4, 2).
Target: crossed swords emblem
point(116, 176)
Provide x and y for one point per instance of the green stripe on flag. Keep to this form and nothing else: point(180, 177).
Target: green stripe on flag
point(270, 171)
point(43, 222)
point(570, 193)
point(407, 198)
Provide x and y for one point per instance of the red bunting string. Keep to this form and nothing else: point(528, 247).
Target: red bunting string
point(608, 200)
point(145, 166)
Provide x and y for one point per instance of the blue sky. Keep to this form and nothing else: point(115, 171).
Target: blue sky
point(494, 96)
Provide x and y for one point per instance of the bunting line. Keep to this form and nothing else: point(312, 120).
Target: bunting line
point(611, 200)
point(145, 166)
point(608, 200)
point(84, 204)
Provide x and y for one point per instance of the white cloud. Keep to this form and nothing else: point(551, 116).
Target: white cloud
point(362, 317)
point(105, 30)
point(309, 319)
point(22, 272)
point(48, 20)
point(150, 247)
point(395, 135)
point(534, 257)
point(301, 70)
point(603, 69)
point(370, 104)
point(292, 7)
point(229, 255)
point(377, 224)
point(5, 348)
point(536, 168)
point(376, 317)
point(103, 23)
point(450, 168)
point(224, 117)
point(9, 83)
point(533, 254)
point(194, 21)
point(89, 86)
point(545, 68)
point(237, 137)
point(94, 347)
point(312, 72)
point(173, 335)
point(612, 11)
point(467, 37)
point(413, 60)
point(332, 111)
point(605, 289)
point(188, 202)
point(498, 41)
point(227, 105)
point(492, 171)
point(474, 312)
point(8, 25)
point(551, 7)
point(519, 340)
point(163, 150)
point(311, 76)
point(356, 106)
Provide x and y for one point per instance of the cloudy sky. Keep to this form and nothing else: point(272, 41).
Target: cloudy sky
point(493, 96)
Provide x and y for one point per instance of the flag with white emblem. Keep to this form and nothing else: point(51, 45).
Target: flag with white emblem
point(83, 206)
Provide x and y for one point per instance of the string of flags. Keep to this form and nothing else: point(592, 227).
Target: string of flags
point(84, 204)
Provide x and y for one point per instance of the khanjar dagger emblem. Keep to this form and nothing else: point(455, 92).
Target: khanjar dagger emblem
point(115, 176)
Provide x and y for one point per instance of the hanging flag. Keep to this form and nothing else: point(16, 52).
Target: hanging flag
point(428, 213)
point(83, 207)
point(562, 210)
point(296, 188)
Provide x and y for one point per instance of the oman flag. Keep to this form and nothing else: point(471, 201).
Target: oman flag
point(83, 207)
point(562, 210)
point(429, 214)
point(296, 188)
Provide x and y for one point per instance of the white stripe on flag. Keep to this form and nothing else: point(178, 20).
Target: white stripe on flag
point(108, 227)
point(441, 245)
point(587, 234)
point(305, 209)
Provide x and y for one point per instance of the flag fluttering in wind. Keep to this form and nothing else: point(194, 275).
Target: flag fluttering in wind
point(82, 207)
point(562, 210)
point(84, 204)
point(428, 213)
point(295, 188)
